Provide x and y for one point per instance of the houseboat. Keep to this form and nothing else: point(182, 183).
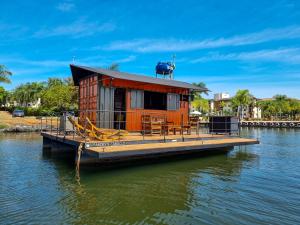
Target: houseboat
point(124, 117)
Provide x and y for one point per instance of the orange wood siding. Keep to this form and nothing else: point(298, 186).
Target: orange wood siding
point(88, 100)
point(134, 116)
point(142, 86)
point(88, 88)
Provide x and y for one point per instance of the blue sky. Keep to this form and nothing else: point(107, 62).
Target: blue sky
point(229, 45)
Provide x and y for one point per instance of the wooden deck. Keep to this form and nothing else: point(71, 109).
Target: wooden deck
point(136, 147)
point(170, 146)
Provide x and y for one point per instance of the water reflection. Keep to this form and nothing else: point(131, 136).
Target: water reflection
point(146, 194)
point(251, 185)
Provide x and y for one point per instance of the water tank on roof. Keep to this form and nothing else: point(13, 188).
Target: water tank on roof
point(164, 68)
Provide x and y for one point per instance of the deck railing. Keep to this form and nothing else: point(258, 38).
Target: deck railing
point(144, 126)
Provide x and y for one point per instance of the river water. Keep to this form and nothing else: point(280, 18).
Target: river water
point(257, 184)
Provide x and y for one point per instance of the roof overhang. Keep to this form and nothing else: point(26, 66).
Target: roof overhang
point(79, 72)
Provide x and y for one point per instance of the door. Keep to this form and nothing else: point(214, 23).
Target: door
point(120, 108)
point(105, 115)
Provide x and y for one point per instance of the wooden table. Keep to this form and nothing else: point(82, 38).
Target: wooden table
point(174, 128)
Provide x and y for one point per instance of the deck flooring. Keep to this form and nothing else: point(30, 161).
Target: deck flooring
point(136, 147)
point(171, 145)
point(136, 137)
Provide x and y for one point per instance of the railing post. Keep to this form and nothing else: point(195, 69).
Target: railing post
point(41, 123)
point(65, 123)
point(51, 125)
point(46, 123)
point(56, 125)
point(212, 126)
point(73, 131)
point(164, 128)
point(239, 128)
point(143, 125)
point(85, 123)
point(119, 125)
point(181, 130)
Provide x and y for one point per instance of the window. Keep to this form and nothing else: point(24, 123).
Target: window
point(173, 101)
point(184, 98)
point(155, 100)
point(137, 99)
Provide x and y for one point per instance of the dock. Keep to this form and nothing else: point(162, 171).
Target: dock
point(275, 124)
point(138, 148)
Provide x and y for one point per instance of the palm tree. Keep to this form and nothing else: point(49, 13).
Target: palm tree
point(114, 67)
point(281, 102)
point(280, 98)
point(28, 92)
point(4, 74)
point(203, 86)
point(242, 99)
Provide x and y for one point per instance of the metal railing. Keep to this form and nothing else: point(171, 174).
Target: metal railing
point(143, 126)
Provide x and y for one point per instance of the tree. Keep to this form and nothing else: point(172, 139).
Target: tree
point(28, 92)
point(201, 104)
point(114, 67)
point(280, 105)
point(59, 95)
point(200, 85)
point(242, 99)
point(268, 108)
point(3, 95)
point(4, 74)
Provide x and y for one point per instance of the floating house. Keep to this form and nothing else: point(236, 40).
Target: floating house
point(113, 99)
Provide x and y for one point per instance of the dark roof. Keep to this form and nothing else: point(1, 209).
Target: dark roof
point(79, 72)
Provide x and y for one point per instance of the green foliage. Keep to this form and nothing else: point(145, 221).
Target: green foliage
point(3, 95)
point(56, 95)
point(198, 93)
point(280, 106)
point(3, 126)
point(114, 66)
point(40, 111)
point(201, 104)
point(4, 74)
point(60, 95)
point(28, 92)
point(242, 99)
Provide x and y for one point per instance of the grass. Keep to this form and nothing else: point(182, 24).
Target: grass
point(2, 126)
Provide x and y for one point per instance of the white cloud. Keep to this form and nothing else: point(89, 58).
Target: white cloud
point(177, 45)
point(65, 6)
point(127, 59)
point(286, 55)
point(77, 29)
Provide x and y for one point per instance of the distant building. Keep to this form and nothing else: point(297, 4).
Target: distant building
point(221, 105)
point(221, 96)
point(34, 104)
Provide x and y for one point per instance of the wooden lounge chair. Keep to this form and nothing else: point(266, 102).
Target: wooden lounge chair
point(104, 133)
point(81, 131)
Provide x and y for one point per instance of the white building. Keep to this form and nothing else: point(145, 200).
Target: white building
point(221, 96)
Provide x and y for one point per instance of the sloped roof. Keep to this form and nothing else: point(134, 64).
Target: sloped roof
point(79, 72)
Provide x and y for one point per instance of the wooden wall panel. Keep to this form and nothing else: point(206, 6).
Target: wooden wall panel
point(88, 89)
point(134, 116)
point(143, 86)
